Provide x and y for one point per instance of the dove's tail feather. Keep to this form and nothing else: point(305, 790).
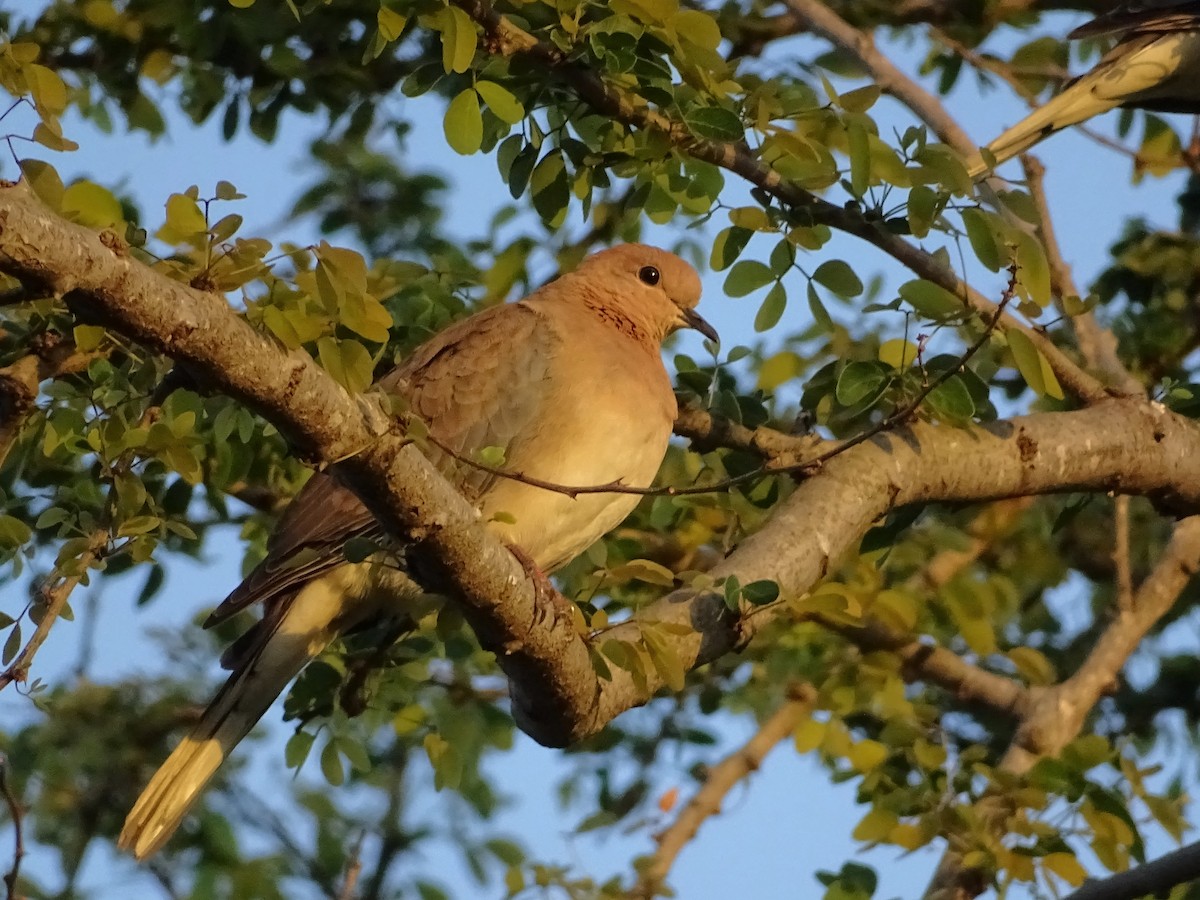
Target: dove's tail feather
point(282, 644)
point(1074, 105)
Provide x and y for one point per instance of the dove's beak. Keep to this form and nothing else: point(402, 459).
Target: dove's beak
point(693, 319)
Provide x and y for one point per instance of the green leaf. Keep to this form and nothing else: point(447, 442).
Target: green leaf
point(779, 368)
point(644, 570)
point(47, 89)
point(922, 209)
point(390, 23)
point(458, 39)
point(1032, 365)
point(13, 532)
point(501, 101)
point(760, 593)
point(746, 277)
point(860, 156)
point(772, 308)
point(463, 124)
point(11, 645)
point(447, 765)
point(185, 222)
point(714, 123)
point(929, 299)
point(898, 353)
point(728, 247)
point(43, 179)
point(297, 749)
point(521, 170)
point(860, 381)
point(819, 313)
point(951, 402)
point(331, 764)
point(837, 275)
point(551, 188)
point(1033, 269)
point(347, 362)
point(982, 238)
point(1032, 665)
point(91, 205)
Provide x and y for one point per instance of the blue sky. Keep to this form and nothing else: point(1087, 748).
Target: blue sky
point(787, 821)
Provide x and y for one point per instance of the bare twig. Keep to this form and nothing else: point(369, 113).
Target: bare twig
point(15, 813)
point(720, 780)
point(1098, 345)
point(54, 594)
point(1121, 562)
point(353, 869)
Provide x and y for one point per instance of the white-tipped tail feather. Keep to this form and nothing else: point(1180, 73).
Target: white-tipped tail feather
point(287, 638)
point(241, 702)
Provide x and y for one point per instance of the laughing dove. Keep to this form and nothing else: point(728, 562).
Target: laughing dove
point(569, 382)
point(1154, 65)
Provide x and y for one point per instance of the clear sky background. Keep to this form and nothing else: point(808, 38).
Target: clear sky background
point(783, 823)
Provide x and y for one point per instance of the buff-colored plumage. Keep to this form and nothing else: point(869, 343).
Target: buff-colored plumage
point(569, 382)
point(1154, 65)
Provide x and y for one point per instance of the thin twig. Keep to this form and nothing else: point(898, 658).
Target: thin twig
point(54, 597)
point(1121, 563)
point(1098, 345)
point(353, 869)
point(16, 814)
point(720, 781)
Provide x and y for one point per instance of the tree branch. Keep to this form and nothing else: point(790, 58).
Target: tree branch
point(720, 780)
point(1151, 879)
point(54, 595)
point(1123, 445)
point(1097, 345)
point(15, 813)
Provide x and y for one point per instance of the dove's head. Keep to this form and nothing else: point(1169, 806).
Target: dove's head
point(643, 289)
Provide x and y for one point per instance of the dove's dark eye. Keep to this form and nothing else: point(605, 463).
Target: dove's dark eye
point(649, 275)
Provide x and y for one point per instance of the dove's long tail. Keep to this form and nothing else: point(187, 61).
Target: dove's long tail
point(277, 649)
point(1074, 105)
point(1135, 73)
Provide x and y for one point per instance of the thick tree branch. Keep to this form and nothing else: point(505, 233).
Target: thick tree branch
point(1123, 445)
point(1152, 879)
